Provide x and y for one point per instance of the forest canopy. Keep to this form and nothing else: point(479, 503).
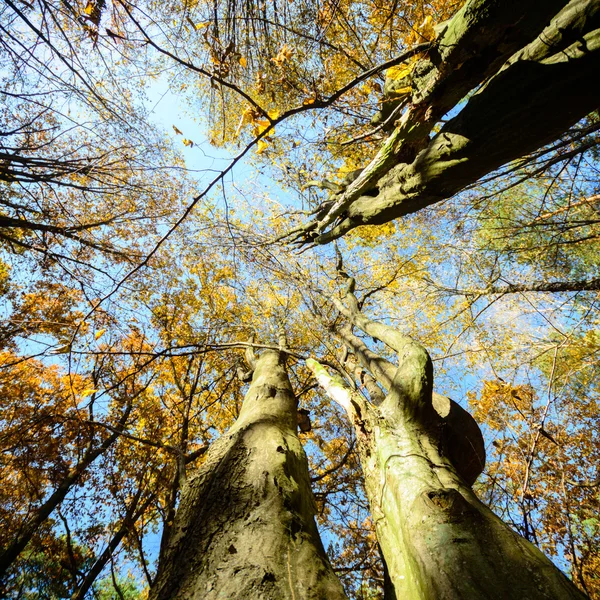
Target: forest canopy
point(391, 208)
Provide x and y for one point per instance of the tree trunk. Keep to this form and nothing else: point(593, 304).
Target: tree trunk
point(540, 91)
point(438, 540)
point(245, 526)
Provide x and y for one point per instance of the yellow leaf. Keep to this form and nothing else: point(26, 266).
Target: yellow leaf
point(242, 61)
point(402, 91)
point(89, 8)
point(88, 392)
point(247, 117)
point(61, 349)
point(283, 56)
point(426, 29)
point(177, 131)
point(188, 143)
point(260, 126)
point(261, 146)
point(398, 72)
point(99, 334)
point(273, 114)
point(201, 25)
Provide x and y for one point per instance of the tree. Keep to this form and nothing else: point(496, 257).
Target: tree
point(249, 508)
point(430, 525)
point(411, 172)
point(139, 320)
point(76, 175)
point(437, 539)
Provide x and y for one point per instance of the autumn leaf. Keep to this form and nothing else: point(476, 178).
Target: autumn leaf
point(283, 56)
point(93, 11)
point(247, 117)
point(261, 125)
point(190, 295)
point(261, 146)
point(399, 72)
point(426, 29)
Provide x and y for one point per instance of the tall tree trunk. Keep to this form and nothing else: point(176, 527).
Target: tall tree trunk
point(245, 526)
point(438, 540)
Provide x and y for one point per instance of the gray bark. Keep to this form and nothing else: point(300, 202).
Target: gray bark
point(245, 526)
point(438, 540)
point(544, 88)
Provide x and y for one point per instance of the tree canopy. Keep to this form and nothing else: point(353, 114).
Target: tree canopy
point(339, 194)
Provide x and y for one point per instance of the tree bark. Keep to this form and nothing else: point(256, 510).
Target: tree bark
point(458, 429)
point(438, 540)
point(245, 526)
point(542, 90)
point(584, 285)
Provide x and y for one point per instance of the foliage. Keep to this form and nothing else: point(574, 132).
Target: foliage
point(129, 297)
point(106, 589)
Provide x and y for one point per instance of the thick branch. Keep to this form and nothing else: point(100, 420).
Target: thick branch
point(539, 93)
point(585, 285)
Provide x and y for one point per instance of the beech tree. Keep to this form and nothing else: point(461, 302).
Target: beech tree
point(445, 154)
point(248, 509)
point(515, 65)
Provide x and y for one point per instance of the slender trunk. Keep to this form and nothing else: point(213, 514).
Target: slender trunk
point(245, 526)
point(132, 515)
point(28, 529)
